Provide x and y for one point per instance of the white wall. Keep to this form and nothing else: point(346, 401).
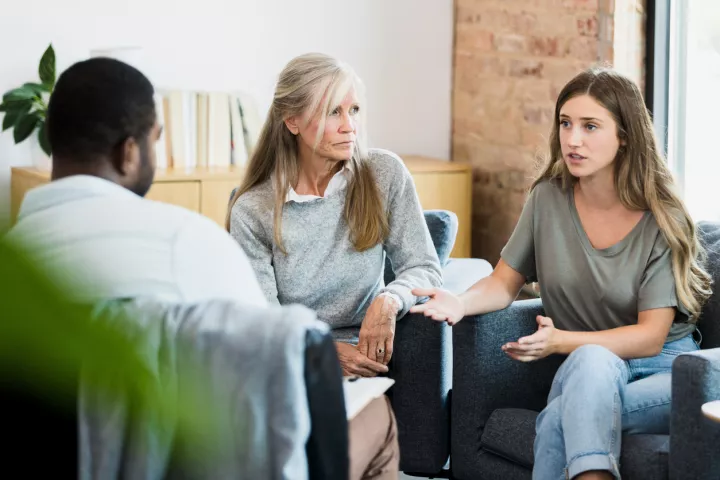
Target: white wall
point(401, 48)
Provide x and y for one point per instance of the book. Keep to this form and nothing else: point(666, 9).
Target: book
point(239, 152)
point(219, 135)
point(160, 146)
point(191, 130)
point(360, 391)
point(177, 120)
point(202, 129)
point(252, 123)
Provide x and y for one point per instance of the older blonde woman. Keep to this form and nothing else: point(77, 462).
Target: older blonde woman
point(318, 212)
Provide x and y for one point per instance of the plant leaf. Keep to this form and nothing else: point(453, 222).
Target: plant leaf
point(14, 113)
point(19, 94)
point(43, 139)
point(46, 69)
point(38, 88)
point(24, 126)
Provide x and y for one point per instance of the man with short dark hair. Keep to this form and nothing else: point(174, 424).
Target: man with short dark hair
point(91, 221)
point(92, 224)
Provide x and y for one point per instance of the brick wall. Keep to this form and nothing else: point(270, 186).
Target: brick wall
point(512, 57)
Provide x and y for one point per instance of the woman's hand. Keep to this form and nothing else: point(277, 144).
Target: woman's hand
point(377, 332)
point(539, 345)
point(355, 363)
point(443, 306)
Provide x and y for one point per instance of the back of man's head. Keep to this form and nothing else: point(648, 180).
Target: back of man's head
point(98, 108)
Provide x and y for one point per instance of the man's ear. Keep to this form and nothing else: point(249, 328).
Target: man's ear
point(127, 157)
point(292, 124)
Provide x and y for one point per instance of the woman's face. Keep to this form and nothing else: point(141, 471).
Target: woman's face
point(339, 132)
point(588, 137)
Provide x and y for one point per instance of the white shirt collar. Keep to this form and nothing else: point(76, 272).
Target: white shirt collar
point(336, 184)
point(69, 189)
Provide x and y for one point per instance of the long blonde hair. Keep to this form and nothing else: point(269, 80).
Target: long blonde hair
point(642, 179)
point(315, 83)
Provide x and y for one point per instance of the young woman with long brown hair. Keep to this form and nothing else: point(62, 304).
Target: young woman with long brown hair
point(620, 272)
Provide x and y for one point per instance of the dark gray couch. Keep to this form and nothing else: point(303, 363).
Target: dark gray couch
point(495, 400)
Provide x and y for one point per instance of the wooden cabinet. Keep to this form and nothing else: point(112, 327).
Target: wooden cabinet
point(440, 185)
point(443, 185)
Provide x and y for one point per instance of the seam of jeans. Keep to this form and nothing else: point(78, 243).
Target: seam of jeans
point(613, 462)
point(615, 427)
point(645, 407)
point(588, 453)
point(671, 351)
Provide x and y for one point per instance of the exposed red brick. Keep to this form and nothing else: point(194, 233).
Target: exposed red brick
point(606, 6)
point(546, 47)
point(587, 25)
point(509, 42)
point(473, 40)
point(526, 68)
point(583, 48)
point(591, 5)
point(537, 114)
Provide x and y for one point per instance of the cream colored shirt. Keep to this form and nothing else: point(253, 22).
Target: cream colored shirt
point(108, 242)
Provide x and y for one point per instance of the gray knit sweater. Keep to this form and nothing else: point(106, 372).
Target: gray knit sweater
point(322, 270)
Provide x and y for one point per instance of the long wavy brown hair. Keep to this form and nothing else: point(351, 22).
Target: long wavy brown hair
point(642, 178)
point(315, 83)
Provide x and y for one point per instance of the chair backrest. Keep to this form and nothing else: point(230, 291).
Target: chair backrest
point(443, 227)
point(709, 321)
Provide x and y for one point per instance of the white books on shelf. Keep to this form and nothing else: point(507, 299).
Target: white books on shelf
point(239, 151)
point(177, 123)
point(252, 122)
point(202, 129)
point(219, 138)
point(359, 392)
point(190, 116)
point(161, 154)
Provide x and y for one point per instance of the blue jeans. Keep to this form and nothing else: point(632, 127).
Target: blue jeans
point(595, 397)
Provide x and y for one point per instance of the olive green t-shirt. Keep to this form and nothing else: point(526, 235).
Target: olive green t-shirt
point(585, 288)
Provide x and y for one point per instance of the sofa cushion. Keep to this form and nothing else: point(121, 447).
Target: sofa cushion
point(443, 226)
point(644, 456)
point(708, 323)
point(510, 433)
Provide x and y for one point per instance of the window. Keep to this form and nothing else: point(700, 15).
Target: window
point(693, 104)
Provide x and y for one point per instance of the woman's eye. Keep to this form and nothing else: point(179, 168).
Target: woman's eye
point(335, 111)
point(564, 123)
point(591, 126)
point(354, 110)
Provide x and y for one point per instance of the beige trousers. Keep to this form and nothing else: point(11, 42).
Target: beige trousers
point(374, 451)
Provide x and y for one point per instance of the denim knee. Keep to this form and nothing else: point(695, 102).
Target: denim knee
point(594, 358)
point(597, 364)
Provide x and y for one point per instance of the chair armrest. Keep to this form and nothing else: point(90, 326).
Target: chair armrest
point(327, 447)
point(694, 439)
point(422, 369)
point(461, 273)
point(485, 378)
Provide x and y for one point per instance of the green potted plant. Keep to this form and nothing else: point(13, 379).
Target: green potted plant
point(25, 107)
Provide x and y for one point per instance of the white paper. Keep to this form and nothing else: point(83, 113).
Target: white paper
point(359, 392)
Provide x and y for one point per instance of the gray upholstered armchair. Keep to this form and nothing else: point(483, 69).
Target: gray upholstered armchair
point(496, 400)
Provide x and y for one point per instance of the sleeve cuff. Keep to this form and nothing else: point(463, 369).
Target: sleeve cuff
point(397, 299)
